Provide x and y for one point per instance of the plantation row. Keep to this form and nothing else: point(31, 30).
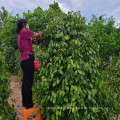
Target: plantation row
point(76, 80)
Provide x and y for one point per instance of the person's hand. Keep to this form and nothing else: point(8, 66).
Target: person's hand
point(39, 32)
point(42, 33)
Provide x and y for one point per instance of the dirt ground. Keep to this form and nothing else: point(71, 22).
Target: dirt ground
point(15, 97)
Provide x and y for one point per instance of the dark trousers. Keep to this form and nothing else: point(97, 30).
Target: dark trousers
point(28, 76)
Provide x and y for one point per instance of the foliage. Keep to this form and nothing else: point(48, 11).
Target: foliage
point(105, 35)
point(112, 75)
point(3, 15)
point(6, 111)
point(9, 38)
point(69, 85)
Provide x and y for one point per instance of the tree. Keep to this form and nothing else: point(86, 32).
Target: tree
point(3, 14)
point(104, 34)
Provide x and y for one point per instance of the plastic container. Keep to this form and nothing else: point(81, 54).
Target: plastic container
point(36, 65)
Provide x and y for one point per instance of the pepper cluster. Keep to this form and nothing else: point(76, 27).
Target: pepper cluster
point(37, 40)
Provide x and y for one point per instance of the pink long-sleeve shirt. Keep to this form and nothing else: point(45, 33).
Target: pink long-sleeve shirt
point(25, 44)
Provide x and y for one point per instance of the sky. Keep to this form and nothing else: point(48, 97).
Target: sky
point(86, 7)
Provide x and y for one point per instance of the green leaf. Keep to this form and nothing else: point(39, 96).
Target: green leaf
point(59, 35)
point(74, 32)
point(67, 88)
point(62, 93)
point(60, 113)
point(58, 81)
point(54, 84)
point(66, 99)
point(76, 88)
point(90, 52)
point(66, 37)
point(61, 72)
point(68, 66)
point(52, 75)
point(73, 110)
point(88, 117)
point(54, 100)
point(80, 72)
point(76, 72)
point(89, 97)
point(91, 85)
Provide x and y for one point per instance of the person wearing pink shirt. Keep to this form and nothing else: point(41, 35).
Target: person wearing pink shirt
point(26, 61)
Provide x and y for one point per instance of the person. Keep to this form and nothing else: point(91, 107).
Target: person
point(26, 61)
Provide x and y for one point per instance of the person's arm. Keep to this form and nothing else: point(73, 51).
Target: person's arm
point(35, 34)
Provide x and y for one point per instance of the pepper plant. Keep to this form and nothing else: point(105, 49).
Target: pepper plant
point(69, 84)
